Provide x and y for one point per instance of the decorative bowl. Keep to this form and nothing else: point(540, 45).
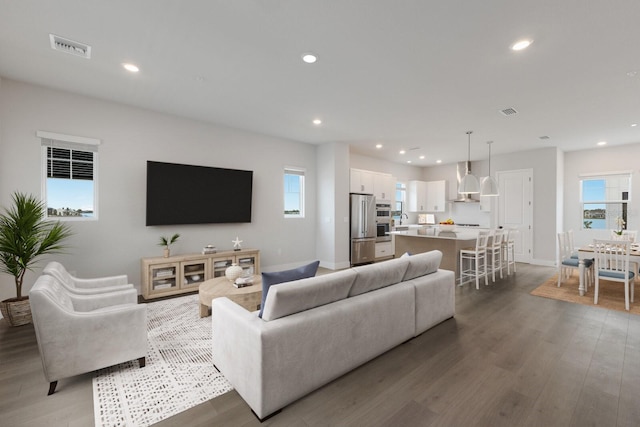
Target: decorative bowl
point(447, 227)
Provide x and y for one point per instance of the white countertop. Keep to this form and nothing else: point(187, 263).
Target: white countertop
point(435, 234)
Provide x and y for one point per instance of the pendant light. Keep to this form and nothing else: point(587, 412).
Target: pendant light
point(489, 186)
point(469, 183)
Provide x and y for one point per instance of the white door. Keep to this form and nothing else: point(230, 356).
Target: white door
point(515, 209)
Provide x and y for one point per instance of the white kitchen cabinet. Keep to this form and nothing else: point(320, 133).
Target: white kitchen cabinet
point(417, 196)
point(361, 181)
point(384, 250)
point(436, 196)
point(384, 187)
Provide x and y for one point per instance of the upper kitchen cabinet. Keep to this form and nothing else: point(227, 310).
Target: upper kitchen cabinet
point(361, 181)
point(384, 187)
point(436, 196)
point(427, 196)
point(381, 185)
point(417, 196)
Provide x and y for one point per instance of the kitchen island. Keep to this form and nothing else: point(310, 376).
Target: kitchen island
point(447, 242)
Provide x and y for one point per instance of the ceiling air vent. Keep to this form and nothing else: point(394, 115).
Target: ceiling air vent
point(508, 111)
point(70, 46)
point(543, 137)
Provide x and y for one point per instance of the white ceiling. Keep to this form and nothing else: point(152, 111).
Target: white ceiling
point(410, 74)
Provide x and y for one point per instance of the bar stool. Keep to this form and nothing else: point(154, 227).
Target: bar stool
point(509, 251)
point(494, 253)
point(473, 261)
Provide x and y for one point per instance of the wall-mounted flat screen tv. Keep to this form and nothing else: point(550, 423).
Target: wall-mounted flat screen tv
point(188, 194)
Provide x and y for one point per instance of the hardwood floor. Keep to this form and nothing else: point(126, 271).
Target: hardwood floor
point(506, 359)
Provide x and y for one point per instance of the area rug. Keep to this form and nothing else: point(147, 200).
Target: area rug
point(611, 295)
point(178, 375)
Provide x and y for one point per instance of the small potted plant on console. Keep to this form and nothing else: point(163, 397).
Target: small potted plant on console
point(166, 242)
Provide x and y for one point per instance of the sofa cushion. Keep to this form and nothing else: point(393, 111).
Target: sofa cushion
point(375, 276)
point(269, 279)
point(423, 263)
point(301, 295)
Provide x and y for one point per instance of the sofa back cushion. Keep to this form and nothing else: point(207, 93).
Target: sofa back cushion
point(423, 263)
point(293, 297)
point(375, 276)
point(269, 279)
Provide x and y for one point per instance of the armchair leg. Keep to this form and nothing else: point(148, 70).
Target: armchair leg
point(52, 387)
point(142, 362)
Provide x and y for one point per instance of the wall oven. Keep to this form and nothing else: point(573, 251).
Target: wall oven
point(383, 222)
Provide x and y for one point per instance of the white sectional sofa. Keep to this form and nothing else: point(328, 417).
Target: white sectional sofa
point(315, 330)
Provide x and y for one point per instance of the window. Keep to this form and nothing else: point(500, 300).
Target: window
point(401, 198)
point(69, 184)
point(604, 200)
point(293, 193)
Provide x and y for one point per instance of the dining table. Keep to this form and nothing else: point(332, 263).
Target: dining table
point(586, 252)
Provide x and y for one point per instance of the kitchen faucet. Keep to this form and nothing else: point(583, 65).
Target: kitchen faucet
point(404, 215)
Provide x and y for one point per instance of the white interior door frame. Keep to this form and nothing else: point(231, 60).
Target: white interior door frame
point(515, 209)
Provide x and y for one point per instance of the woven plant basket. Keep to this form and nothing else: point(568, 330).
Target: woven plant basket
point(17, 313)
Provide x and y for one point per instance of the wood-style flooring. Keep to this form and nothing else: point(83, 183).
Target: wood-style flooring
point(506, 359)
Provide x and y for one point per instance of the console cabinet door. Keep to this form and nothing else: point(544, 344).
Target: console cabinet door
point(192, 273)
point(163, 279)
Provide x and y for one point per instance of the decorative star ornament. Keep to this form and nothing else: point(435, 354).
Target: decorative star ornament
point(236, 243)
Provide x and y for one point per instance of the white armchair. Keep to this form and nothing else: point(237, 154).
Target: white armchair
point(86, 286)
point(83, 333)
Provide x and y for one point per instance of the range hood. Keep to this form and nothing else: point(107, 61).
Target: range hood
point(461, 172)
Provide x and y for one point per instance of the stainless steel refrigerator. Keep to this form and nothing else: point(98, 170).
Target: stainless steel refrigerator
point(363, 228)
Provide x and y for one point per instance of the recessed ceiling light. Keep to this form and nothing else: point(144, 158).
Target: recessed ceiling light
point(634, 125)
point(317, 122)
point(522, 44)
point(131, 67)
point(378, 146)
point(602, 143)
point(402, 151)
point(408, 161)
point(438, 161)
point(421, 157)
point(309, 58)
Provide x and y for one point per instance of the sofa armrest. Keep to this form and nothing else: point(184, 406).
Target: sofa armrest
point(237, 348)
point(87, 303)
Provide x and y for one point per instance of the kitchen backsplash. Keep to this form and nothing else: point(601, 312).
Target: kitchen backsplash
point(466, 213)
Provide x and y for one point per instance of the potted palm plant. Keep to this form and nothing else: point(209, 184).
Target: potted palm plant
point(24, 237)
point(166, 242)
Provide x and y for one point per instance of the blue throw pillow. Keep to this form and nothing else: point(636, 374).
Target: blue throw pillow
point(274, 278)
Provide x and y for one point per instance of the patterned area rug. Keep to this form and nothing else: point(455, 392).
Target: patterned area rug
point(178, 375)
point(611, 294)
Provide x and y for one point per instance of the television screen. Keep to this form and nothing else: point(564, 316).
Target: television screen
point(187, 194)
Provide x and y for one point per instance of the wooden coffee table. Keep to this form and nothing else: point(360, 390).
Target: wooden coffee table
point(248, 297)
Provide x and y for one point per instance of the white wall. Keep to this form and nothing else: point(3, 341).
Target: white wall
point(130, 136)
point(332, 243)
point(603, 159)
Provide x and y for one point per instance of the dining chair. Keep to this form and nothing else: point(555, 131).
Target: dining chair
point(475, 260)
point(572, 248)
point(494, 253)
point(567, 264)
point(612, 263)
